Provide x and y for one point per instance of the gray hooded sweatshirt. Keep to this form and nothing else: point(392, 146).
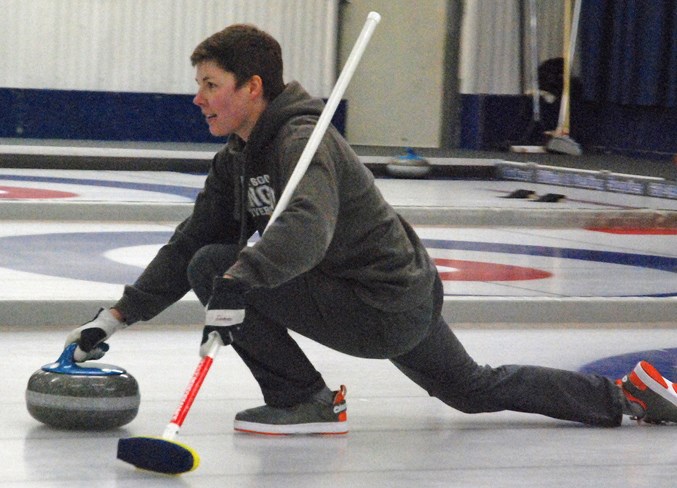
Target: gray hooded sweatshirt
point(337, 222)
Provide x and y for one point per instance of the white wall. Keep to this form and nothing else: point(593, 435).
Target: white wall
point(145, 45)
point(490, 47)
point(491, 39)
point(396, 95)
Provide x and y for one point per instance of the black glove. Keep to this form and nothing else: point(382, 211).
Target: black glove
point(225, 312)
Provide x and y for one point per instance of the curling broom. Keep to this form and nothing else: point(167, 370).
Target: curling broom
point(164, 454)
point(560, 141)
point(533, 139)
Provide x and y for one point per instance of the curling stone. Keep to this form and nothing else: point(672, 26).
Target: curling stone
point(68, 395)
point(409, 165)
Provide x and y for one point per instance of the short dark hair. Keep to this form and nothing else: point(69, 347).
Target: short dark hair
point(245, 51)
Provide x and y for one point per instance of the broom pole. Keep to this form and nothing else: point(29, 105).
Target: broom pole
point(570, 33)
point(325, 118)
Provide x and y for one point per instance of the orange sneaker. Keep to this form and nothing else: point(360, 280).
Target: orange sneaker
point(646, 387)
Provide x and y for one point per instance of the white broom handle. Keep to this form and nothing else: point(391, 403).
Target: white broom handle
point(327, 113)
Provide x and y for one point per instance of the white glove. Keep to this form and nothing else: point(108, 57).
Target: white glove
point(91, 336)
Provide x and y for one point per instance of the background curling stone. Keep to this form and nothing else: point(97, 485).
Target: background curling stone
point(72, 396)
point(409, 165)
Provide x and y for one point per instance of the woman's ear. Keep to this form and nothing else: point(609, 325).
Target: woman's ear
point(256, 86)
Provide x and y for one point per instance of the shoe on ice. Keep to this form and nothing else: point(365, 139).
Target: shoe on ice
point(313, 417)
point(656, 395)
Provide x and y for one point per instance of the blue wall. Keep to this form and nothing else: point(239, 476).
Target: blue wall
point(490, 121)
point(108, 116)
point(635, 131)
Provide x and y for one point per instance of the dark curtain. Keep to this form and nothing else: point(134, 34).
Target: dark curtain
point(629, 51)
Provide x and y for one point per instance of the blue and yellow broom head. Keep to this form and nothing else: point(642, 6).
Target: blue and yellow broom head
point(158, 455)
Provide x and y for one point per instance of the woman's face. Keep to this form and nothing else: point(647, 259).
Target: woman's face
point(227, 109)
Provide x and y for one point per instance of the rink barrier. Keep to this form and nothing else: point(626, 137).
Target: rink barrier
point(447, 216)
point(587, 179)
point(459, 312)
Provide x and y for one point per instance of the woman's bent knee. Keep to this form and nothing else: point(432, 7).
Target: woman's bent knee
point(209, 261)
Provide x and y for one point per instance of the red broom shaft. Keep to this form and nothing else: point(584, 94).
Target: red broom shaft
point(192, 390)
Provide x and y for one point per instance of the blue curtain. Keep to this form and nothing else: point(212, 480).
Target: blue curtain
point(629, 51)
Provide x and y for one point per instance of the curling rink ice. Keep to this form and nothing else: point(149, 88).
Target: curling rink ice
point(566, 296)
point(398, 436)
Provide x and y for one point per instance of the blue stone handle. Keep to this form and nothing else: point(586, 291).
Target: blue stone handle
point(67, 365)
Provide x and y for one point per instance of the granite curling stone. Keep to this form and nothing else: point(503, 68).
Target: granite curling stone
point(75, 396)
point(409, 165)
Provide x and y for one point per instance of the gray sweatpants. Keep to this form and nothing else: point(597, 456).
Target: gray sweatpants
point(418, 342)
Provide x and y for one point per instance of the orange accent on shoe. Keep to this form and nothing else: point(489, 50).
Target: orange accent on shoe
point(340, 395)
point(674, 387)
point(629, 396)
point(634, 399)
point(634, 379)
point(343, 417)
point(653, 372)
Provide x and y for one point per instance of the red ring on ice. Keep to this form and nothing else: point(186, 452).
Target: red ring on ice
point(479, 271)
point(13, 192)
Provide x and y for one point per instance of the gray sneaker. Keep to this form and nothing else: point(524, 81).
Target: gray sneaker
point(313, 417)
point(646, 387)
